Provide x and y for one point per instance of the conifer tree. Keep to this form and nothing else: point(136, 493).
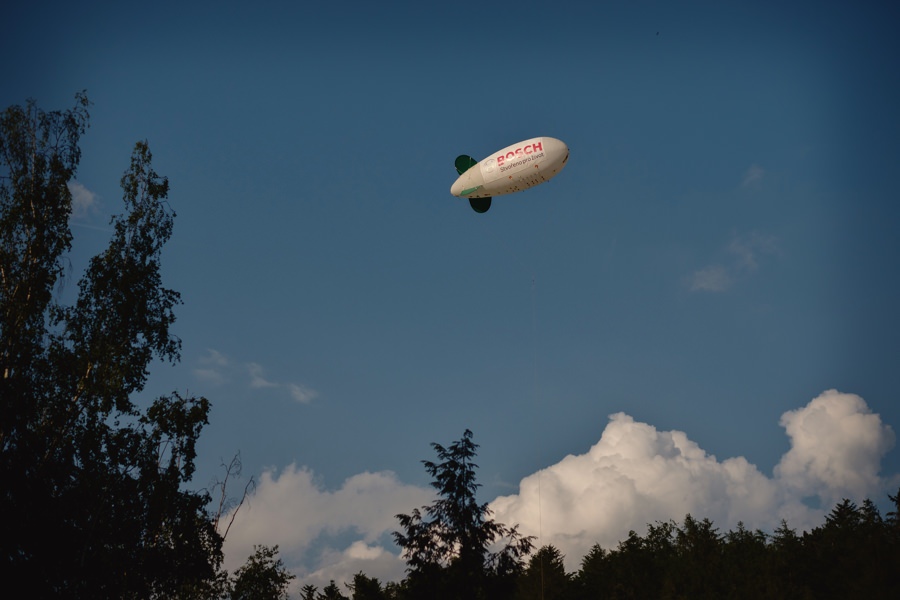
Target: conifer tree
point(447, 544)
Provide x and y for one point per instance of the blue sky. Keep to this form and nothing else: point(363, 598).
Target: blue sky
point(719, 251)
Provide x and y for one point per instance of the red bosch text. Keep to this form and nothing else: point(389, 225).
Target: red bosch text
point(523, 151)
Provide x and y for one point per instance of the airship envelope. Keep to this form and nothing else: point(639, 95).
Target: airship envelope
point(513, 169)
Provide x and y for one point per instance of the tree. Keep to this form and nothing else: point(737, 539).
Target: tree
point(785, 564)
point(262, 577)
point(545, 577)
point(308, 592)
point(93, 497)
point(591, 579)
point(893, 516)
point(447, 544)
point(851, 555)
point(331, 592)
point(698, 563)
point(39, 154)
point(637, 568)
point(745, 568)
point(366, 588)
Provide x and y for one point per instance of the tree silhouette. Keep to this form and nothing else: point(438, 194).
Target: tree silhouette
point(262, 577)
point(545, 577)
point(447, 543)
point(93, 499)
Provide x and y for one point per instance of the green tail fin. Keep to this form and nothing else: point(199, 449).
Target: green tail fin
point(480, 205)
point(464, 163)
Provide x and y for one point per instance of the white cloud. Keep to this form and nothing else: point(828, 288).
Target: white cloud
point(752, 176)
point(711, 279)
point(301, 393)
point(84, 201)
point(214, 357)
point(340, 566)
point(748, 248)
point(836, 447)
point(216, 368)
point(634, 475)
point(292, 510)
point(745, 252)
point(637, 475)
point(256, 377)
point(213, 367)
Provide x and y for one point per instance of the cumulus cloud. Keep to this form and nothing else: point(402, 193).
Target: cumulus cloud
point(836, 447)
point(217, 369)
point(291, 509)
point(637, 474)
point(634, 475)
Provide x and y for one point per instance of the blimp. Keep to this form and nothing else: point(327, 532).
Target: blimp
point(513, 169)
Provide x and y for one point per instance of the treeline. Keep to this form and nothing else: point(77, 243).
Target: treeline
point(450, 551)
point(854, 554)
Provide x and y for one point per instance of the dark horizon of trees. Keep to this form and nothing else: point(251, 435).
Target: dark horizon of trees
point(855, 553)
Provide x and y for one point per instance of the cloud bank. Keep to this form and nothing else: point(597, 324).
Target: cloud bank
point(634, 475)
point(637, 474)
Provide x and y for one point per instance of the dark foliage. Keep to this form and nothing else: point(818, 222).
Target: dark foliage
point(545, 578)
point(447, 544)
point(855, 554)
point(331, 592)
point(92, 498)
point(263, 577)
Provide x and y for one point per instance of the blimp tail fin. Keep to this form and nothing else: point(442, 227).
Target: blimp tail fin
point(480, 205)
point(464, 163)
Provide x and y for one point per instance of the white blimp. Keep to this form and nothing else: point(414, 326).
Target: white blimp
point(513, 169)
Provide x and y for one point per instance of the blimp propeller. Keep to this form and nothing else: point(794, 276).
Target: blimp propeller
point(513, 169)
